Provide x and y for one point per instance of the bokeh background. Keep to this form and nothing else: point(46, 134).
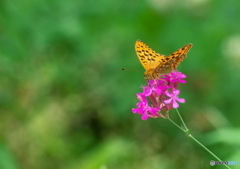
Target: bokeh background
point(65, 103)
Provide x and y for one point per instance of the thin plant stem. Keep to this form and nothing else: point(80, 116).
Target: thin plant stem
point(176, 124)
point(182, 120)
point(206, 149)
point(186, 131)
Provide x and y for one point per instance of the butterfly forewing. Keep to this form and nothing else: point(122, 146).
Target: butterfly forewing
point(148, 57)
point(172, 61)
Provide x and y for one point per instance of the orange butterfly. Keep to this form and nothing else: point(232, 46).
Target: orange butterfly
point(156, 64)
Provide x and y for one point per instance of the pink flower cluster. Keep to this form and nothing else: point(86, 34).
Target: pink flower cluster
point(163, 95)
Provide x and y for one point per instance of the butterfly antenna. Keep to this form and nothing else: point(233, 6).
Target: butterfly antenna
point(131, 70)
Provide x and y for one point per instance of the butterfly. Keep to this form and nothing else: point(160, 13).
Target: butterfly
point(157, 64)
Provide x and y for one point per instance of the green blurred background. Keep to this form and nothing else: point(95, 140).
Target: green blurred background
point(65, 103)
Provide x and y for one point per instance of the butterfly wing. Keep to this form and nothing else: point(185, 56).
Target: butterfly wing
point(170, 63)
point(148, 57)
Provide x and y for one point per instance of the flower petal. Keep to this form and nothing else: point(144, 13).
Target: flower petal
point(168, 94)
point(158, 91)
point(141, 97)
point(145, 116)
point(147, 91)
point(134, 110)
point(153, 111)
point(175, 104)
point(181, 100)
point(182, 81)
point(168, 101)
point(175, 92)
point(182, 75)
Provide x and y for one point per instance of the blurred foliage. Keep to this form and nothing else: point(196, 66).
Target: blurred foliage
point(65, 103)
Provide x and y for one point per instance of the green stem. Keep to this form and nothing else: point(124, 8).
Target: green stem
point(206, 149)
point(186, 131)
point(176, 124)
point(182, 120)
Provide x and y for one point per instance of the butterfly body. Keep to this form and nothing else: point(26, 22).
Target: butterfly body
point(157, 64)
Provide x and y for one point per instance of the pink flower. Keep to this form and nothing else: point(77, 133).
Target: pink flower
point(173, 98)
point(144, 109)
point(175, 77)
point(162, 94)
